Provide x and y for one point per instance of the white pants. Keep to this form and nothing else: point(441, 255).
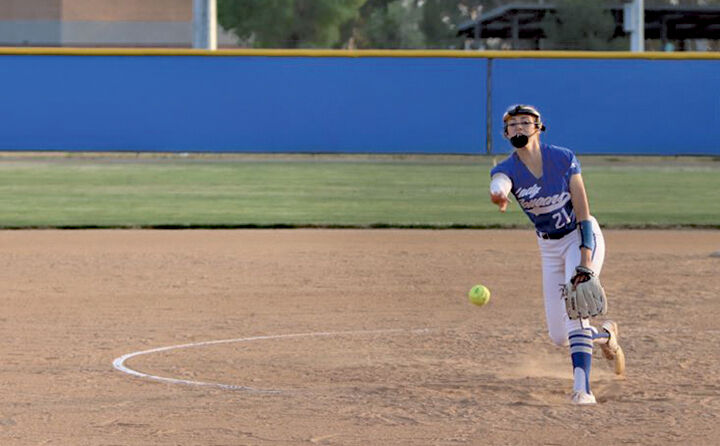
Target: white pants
point(559, 259)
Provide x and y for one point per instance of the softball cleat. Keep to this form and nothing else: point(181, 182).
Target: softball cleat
point(611, 349)
point(581, 398)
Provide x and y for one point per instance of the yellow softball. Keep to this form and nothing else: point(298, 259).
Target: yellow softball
point(479, 295)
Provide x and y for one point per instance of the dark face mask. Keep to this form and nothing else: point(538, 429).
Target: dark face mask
point(519, 141)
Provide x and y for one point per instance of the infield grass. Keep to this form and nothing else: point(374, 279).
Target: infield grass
point(118, 191)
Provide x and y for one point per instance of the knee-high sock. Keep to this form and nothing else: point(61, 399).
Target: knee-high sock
point(581, 345)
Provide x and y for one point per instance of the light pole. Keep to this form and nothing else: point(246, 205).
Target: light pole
point(634, 23)
point(205, 24)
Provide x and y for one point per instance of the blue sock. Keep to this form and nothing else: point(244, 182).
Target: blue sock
point(581, 345)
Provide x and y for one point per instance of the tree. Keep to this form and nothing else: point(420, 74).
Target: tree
point(438, 23)
point(287, 23)
point(413, 23)
point(353, 31)
point(580, 25)
point(386, 24)
point(395, 26)
point(442, 17)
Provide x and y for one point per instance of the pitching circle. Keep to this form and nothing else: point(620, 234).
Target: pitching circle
point(119, 363)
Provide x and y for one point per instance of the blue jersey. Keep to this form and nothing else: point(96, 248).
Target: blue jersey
point(545, 200)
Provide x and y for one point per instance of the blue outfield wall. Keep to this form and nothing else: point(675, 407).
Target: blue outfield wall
point(616, 106)
point(248, 104)
point(382, 102)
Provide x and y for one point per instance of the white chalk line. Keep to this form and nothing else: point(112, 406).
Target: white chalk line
point(119, 363)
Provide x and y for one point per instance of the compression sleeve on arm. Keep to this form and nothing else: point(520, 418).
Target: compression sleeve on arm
point(587, 238)
point(500, 184)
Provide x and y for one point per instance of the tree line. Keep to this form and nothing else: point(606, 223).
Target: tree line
point(409, 24)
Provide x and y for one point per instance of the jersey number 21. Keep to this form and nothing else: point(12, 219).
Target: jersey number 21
point(561, 218)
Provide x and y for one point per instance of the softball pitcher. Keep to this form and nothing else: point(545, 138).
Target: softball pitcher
point(548, 186)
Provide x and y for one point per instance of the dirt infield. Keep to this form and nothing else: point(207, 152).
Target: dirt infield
point(445, 372)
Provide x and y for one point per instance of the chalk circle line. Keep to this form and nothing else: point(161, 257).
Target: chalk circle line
point(119, 363)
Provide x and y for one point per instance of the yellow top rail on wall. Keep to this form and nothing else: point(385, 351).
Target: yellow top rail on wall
point(55, 51)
